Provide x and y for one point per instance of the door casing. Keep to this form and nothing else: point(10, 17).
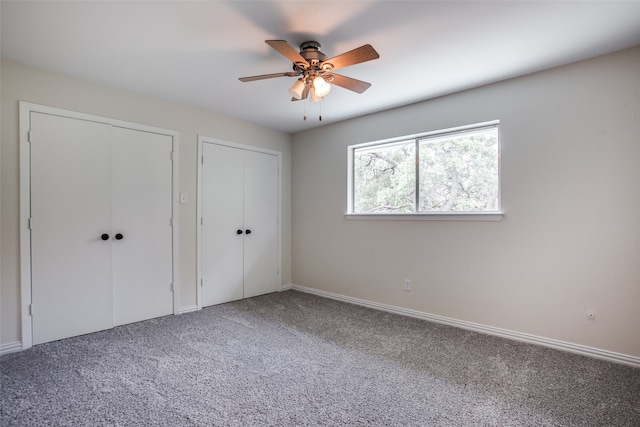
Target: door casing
point(208, 140)
point(26, 109)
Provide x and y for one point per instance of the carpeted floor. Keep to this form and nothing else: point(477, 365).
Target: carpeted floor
point(295, 359)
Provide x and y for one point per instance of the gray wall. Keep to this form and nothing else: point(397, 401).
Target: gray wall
point(569, 241)
point(21, 83)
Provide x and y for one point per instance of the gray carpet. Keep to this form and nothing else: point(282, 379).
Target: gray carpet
point(294, 359)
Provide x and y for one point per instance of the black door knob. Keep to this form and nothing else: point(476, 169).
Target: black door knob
point(119, 236)
point(239, 232)
point(105, 236)
point(248, 231)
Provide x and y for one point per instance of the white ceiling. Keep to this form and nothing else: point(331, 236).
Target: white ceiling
point(193, 52)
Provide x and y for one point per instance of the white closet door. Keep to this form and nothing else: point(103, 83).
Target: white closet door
point(222, 218)
point(142, 211)
point(71, 264)
point(261, 217)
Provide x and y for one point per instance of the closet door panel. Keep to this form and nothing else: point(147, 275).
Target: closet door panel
point(261, 217)
point(142, 211)
point(71, 274)
point(222, 213)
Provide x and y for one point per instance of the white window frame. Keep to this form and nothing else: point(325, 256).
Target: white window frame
point(438, 216)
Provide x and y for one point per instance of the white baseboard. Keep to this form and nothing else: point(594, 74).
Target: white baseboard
point(188, 309)
point(286, 287)
point(10, 347)
point(505, 333)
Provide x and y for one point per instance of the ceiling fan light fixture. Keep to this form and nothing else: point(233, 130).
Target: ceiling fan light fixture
point(314, 97)
point(320, 86)
point(297, 89)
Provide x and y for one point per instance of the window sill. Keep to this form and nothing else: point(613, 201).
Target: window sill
point(461, 216)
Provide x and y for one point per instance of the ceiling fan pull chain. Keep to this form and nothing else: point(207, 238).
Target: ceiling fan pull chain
point(305, 110)
point(320, 114)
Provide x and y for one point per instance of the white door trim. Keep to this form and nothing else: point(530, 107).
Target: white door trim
point(208, 140)
point(26, 109)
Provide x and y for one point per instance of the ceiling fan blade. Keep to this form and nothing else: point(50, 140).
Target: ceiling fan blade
point(268, 76)
point(349, 83)
point(288, 51)
point(361, 54)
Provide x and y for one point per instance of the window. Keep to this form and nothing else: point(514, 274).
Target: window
point(444, 172)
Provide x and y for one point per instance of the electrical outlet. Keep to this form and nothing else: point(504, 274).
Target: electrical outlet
point(407, 284)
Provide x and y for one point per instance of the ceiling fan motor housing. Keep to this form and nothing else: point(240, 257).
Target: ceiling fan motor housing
point(310, 50)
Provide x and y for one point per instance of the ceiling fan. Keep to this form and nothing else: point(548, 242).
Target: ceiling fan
point(315, 71)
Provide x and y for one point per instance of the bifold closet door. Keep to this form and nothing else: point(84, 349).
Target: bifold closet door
point(239, 252)
point(101, 231)
point(142, 211)
point(261, 217)
point(222, 224)
point(72, 291)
